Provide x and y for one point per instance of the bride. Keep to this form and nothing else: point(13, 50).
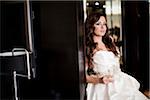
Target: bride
point(105, 79)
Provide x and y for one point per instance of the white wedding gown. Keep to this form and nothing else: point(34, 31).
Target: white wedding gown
point(124, 86)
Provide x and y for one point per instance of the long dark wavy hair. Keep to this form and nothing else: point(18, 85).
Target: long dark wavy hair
point(89, 32)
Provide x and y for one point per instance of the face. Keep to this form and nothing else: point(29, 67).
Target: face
point(100, 26)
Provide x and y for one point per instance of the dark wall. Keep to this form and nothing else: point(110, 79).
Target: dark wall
point(57, 48)
point(135, 25)
point(13, 27)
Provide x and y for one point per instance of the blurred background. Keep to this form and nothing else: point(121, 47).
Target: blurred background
point(52, 32)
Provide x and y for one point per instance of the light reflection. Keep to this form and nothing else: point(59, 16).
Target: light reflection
point(116, 7)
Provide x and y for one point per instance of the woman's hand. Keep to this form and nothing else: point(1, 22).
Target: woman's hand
point(95, 79)
point(106, 79)
point(92, 79)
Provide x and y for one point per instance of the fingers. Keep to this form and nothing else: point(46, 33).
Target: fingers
point(111, 79)
point(107, 79)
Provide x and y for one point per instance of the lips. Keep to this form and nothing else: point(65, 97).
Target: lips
point(102, 31)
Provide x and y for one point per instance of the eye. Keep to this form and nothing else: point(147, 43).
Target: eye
point(97, 23)
point(105, 24)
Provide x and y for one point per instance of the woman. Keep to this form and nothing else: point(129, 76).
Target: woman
point(105, 79)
